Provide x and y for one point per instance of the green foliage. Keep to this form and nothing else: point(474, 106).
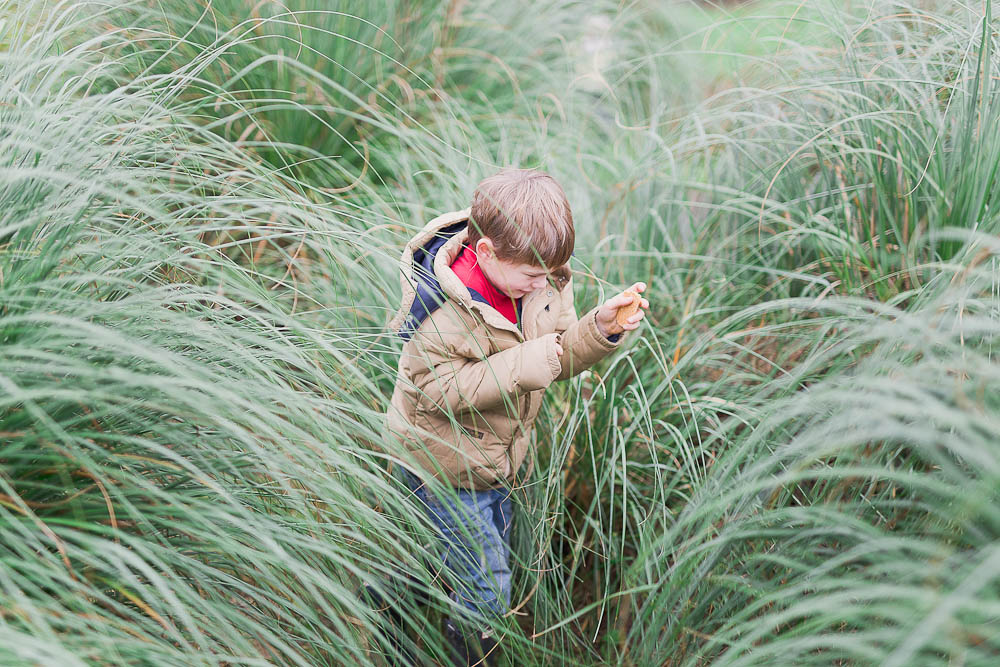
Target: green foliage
point(201, 209)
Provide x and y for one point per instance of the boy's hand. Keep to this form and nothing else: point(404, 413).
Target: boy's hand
point(606, 320)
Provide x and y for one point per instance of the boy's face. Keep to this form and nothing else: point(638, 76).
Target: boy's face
point(514, 280)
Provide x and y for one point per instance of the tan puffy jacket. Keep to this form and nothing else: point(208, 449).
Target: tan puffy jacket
point(470, 382)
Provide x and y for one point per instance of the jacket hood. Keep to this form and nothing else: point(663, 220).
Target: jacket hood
point(425, 290)
point(428, 292)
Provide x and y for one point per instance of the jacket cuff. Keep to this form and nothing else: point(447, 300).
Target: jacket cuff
point(538, 373)
point(555, 363)
point(595, 333)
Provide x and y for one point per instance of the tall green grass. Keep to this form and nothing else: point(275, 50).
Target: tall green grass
point(201, 210)
point(183, 439)
point(829, 315)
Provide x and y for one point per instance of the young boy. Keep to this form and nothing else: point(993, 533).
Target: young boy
point(489, 322)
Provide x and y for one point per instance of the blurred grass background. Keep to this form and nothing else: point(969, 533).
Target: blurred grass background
point(201, 211)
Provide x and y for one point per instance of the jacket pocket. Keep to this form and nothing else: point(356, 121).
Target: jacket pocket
point(459, 445)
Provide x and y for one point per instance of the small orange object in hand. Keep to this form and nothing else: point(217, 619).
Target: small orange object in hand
point(629, 309)
point(622, 312)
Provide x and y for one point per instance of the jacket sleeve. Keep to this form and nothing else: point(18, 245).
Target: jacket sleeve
point(582, 342)
point(446, 372)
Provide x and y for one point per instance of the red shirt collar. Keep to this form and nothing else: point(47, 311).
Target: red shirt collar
point(467, 268)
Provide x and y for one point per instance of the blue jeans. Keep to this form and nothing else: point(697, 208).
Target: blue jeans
point(486, 516)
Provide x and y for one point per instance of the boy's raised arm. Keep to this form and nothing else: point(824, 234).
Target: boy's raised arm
point(582, 341)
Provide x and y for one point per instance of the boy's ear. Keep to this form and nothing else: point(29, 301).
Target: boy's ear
point(484, 247)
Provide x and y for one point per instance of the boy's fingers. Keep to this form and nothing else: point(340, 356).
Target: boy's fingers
point(619, 301)
point(623, 299)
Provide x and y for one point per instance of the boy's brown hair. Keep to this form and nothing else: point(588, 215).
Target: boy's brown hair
point(527, 216)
